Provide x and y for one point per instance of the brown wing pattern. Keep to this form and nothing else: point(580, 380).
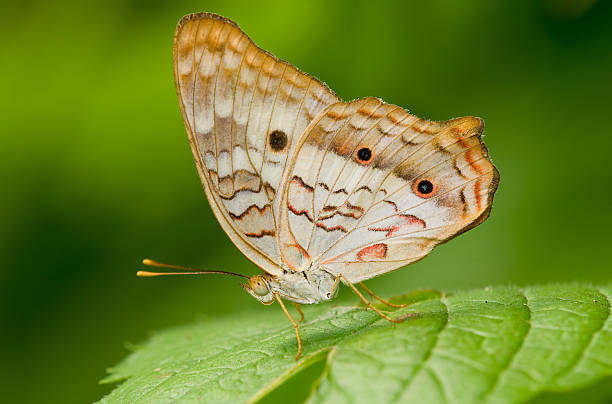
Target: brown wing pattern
point(243, 110)
point(372, 188)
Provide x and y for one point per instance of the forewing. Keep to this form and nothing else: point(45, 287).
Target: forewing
point(233, 96)
point(352, 201)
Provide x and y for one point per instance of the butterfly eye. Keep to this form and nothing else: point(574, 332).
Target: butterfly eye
point(258, 285)
point(364, 155)
point(278, 140)
point(424, 188)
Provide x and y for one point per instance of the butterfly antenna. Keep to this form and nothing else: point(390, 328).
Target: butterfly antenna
point(192, 271)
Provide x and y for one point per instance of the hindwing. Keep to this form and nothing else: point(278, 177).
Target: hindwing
point(372, 188)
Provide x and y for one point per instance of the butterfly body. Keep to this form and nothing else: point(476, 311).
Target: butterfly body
point(310, 286)
point(312, 189)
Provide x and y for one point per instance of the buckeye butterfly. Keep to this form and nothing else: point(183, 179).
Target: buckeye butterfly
point(312, 189)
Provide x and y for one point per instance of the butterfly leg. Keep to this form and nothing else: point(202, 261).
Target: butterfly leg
point(370, 305)
point(335, 286)
point(380, 299)
point(295, 325)
point(299, 310)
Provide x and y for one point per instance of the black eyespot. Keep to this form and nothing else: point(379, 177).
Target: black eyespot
point(364, 154)
point(278, 140)
point(425, 187)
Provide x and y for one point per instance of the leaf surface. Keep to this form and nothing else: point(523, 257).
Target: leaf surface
point(492, 345)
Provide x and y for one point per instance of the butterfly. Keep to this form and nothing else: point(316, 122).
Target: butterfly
point(312, 189)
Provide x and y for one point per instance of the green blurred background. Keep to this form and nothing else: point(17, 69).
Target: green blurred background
point(97, 172)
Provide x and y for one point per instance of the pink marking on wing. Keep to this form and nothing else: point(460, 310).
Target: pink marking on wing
point(391, 203)
point(331, 228)
point(299, 195)
point(300, 182)
point(388, 230)
point(411, 219)
point(299, 212)
point(406, 220)
point(375, 251)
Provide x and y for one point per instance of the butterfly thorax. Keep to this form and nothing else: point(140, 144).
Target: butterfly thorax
point(310, 286)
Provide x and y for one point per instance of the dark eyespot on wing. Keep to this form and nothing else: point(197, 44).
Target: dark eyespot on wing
point(364, 154)
point(277, 140)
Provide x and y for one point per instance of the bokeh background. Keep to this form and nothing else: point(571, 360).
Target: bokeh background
point(97, 172)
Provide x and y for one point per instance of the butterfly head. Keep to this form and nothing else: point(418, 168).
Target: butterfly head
point(259, 287)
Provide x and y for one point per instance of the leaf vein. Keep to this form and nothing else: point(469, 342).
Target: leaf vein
point(512, 358)
point(579, 358)
point(426, 357)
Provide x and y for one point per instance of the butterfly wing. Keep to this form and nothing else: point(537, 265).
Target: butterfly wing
point(372, 188)
point(243, 110)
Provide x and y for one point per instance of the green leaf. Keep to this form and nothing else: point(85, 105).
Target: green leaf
point(493, 345)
